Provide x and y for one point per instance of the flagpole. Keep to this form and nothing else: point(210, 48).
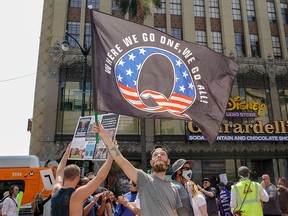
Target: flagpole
point(96, 121)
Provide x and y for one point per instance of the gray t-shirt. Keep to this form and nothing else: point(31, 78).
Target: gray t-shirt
point(158, 197)
point(186, 209)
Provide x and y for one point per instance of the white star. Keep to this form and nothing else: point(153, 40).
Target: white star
point(119, 78)
point(134, 82)
point(121, 62)
point(129, 72)
point(184, 73)
point(131, 57)
point(142, 51)
point(182, 88)
point(178, 63)
point(138, 66)
point(191, 86)
point(177, 79)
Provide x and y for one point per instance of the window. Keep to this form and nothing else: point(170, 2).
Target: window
point(217, 42)
point(283, 102)
point(161, 10)
point(161, 29)
point(169, 127)
point(75, 3)
point(87, 41)
point(255, 49)
point(214, 8)
point(276, 47)
point(239, 43)
point(71, 105)
point(284, 12)
point(115, 7)
point(128, 125)
point(94, 3)
point(271, 12)
point(259, 96)
point(5, 186)
point(250, 10)
point(201, 38)
point(175, 7)
point(236, 10)
point(73, 29)
point(199, 8)
point(177, 33)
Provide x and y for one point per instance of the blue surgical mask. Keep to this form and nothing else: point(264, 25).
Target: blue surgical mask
point(187, 174)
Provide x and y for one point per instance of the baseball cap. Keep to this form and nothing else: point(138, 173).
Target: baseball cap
point(243, 171)
point(221, 183)
point(177, 165)
point(206, 179)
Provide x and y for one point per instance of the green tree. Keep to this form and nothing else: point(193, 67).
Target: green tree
point(137, 9)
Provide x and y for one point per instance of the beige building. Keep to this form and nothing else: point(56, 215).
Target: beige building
point(254, 33)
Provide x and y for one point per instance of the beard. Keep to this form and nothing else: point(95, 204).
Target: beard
point(159, 166)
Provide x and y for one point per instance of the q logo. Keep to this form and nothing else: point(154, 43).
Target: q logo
point(127, 72)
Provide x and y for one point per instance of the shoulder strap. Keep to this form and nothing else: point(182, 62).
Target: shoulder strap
point(245, 195)
point(13, 201)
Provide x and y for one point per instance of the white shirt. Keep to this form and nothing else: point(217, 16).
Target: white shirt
point(10, 207)
point(196, 203)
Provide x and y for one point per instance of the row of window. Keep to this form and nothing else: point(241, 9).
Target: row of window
point(71, 104)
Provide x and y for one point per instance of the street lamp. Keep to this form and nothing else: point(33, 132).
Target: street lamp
point(85, 51)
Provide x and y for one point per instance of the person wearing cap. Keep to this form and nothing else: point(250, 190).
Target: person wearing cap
point(224, 200)
point(271, 207)
point(252, 193)
point(210, 196)
point(158, 195)
point(181, 174)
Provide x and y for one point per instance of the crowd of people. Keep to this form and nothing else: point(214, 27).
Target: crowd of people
point(152, 194)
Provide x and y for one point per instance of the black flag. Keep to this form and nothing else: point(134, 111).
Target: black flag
point(142, 72)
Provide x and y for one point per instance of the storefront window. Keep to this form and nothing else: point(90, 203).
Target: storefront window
point(169, 127)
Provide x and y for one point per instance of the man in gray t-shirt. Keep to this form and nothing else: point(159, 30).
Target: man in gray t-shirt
point(158, 197)
point(181, 174)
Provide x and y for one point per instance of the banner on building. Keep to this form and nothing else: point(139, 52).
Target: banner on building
point(142, 72)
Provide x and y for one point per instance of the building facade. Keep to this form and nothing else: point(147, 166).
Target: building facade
point(254, 132)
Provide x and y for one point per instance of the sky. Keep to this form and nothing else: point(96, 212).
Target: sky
point(20, 23)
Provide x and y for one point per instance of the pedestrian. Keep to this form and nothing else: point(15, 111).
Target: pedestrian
point(283, 196)
point(224, 200)
point(66, 200)
point(37, 205)
point(181, 174)
point(271, 207)
point(210, 196)
point(158, 196)
point(10, 204)
point(122, 210)
point(246, 195)
point(198, 200)
point(111, 204)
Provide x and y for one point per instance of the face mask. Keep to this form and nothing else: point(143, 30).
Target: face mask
point(187, 174)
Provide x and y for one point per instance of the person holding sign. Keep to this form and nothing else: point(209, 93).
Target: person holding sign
point(66, 200)
point(160, 197)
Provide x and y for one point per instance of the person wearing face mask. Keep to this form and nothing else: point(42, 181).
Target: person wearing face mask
point(181, 174)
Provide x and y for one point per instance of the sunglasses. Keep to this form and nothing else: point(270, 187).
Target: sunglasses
point(134, 185)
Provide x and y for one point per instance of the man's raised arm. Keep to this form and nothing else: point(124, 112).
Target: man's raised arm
point(126, 166)
point(60, 170)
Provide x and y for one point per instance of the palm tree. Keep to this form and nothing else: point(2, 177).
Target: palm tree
point(137, 9)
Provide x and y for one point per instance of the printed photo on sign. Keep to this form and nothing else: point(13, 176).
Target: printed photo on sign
point(84, 146)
